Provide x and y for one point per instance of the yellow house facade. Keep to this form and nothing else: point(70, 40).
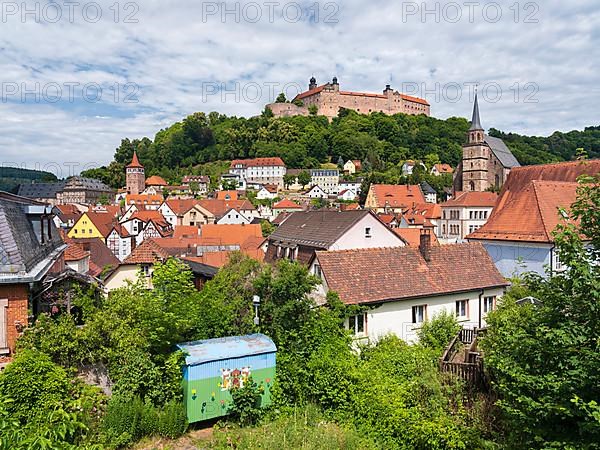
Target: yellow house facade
point(85, 228)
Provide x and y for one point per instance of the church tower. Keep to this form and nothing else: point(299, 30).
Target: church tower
point(476, 156)
point(135, 176)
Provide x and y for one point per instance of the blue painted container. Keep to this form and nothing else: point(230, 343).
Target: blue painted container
point(215, 366)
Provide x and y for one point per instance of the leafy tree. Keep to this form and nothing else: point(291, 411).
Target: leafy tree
point(281, 98)
point(544, 358)
point(304, 178)
point(288, 180)
point(439, 331)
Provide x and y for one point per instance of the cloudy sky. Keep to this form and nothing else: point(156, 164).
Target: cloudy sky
point(78, 77)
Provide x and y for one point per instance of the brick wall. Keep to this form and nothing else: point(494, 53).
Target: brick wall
point(17, 295)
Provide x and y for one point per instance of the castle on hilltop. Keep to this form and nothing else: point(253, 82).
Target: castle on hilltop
point(329, 99)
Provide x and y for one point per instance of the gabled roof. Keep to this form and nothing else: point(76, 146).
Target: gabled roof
point(148, 252)
point(502, 152)
point(100, 255)
point(146, 215)
point(186, 231)
point(219, 207)
point(181, 206)
point(520, 177)
point(286, 204)
point(474, 199)
point(398, 273)
point(319, 229)
point(227, 195)
point(426, 188)
point(75, 252)
point(531, 215)
point(103, 221)
point(397, 195)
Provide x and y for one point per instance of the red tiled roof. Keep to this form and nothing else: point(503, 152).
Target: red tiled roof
point(181, 206)
point(531, 214)
point(155, 180)
point(286, 204)
point(256, 162)
point(100, 254)
point(412, 236)
point(350, 207)
point(74, 252)
point(431, 211)
point(473, 199)
point(410, 98)
point(113, 210)
point(417, 219)
point(227, 195)
point(146, 215)
point(391, 274)
point(144, 199)
point(386, 218)
point(309, 92)
point(103, 221)
point(135, 162)
point(148, 252)
point(186, 231)
point(219, 207)
point(444, 168)
point(520, 177)
point(362, 94)
point(397, 195)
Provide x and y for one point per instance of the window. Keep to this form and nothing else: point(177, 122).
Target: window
point(462, 308)
point(489, 303)
point(317, 270)
point(146, 270)
point(368, 232)
point(357, 324)
point(419, 313)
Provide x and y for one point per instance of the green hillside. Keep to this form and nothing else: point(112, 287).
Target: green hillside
point(11, 177)
point(384, 141)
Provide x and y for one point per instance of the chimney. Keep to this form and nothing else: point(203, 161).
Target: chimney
point(425, 244)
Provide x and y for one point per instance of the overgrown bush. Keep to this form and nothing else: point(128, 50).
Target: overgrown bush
point(172, 420)
point(437, 333)
point(127, 420)
point(245, 407)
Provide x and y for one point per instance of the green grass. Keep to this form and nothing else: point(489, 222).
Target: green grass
point(303, 428)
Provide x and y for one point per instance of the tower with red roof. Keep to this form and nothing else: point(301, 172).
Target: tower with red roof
point(135, 176)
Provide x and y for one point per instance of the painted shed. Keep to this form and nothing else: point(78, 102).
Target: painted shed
point(214, 366)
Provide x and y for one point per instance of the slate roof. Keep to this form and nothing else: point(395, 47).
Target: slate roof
point(427, 189)
point(21, 254)
point(531, 215)
point(475, 120)
point(319, 229)
point(82, 183)
point(502, 152)
point(41, 190)
point(392, 274)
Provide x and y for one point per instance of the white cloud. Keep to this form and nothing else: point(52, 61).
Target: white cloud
point(172, 55)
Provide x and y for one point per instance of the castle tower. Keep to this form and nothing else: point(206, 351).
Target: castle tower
point(135, 176)
point(476, 156)
point(312, 83)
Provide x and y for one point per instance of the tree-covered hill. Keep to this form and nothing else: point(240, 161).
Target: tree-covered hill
point(306, 142)
point(11, 177)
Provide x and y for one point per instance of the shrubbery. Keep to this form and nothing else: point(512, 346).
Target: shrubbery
point(128, 420)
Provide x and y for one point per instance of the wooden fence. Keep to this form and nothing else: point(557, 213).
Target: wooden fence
point(467, 367)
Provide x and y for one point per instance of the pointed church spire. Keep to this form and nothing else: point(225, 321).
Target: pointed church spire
point(475, 121)
point(135, 162)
